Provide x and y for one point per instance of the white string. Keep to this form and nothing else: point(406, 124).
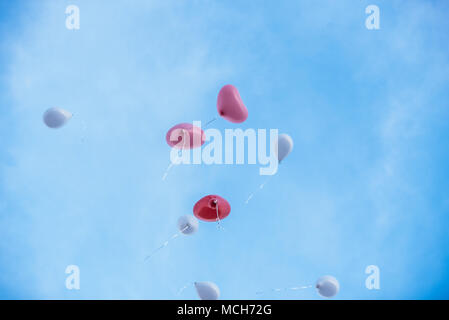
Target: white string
point(170, 166)
point(83, 129)
point(183, 288)
point(218, 217)
point(260, 188)
point(177, 234)
point(209, 122)
point(285, 289)
point(167, 171)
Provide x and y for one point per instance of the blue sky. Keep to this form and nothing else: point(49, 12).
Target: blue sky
point(367, 182)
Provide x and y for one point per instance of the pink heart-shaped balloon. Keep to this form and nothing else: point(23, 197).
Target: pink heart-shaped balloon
point(230, 106)
point(185, 136)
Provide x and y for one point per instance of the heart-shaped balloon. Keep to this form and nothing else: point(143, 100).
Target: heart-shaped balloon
point(230, 106)
point(187, 224)
point(56, 117)
point(327, 286)
point(207, 290)
point(185, 136)
point(206, 208)
point(284, 146)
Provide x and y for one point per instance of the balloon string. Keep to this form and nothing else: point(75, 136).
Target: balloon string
point(260, 188)
point(167, 171)
point(183, 288)
point(166, 242)
point(171, 166)
point(285, 289)
point(209, 122)
point(83, 130)
point(218, 219)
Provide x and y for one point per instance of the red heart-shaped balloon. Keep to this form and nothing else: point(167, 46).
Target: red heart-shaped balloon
point(206, 208)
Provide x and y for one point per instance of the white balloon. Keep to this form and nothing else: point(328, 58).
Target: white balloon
point(56, 117)
point(188, 224)
point(207, 290)
point(284, 146)
point(327, 286)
